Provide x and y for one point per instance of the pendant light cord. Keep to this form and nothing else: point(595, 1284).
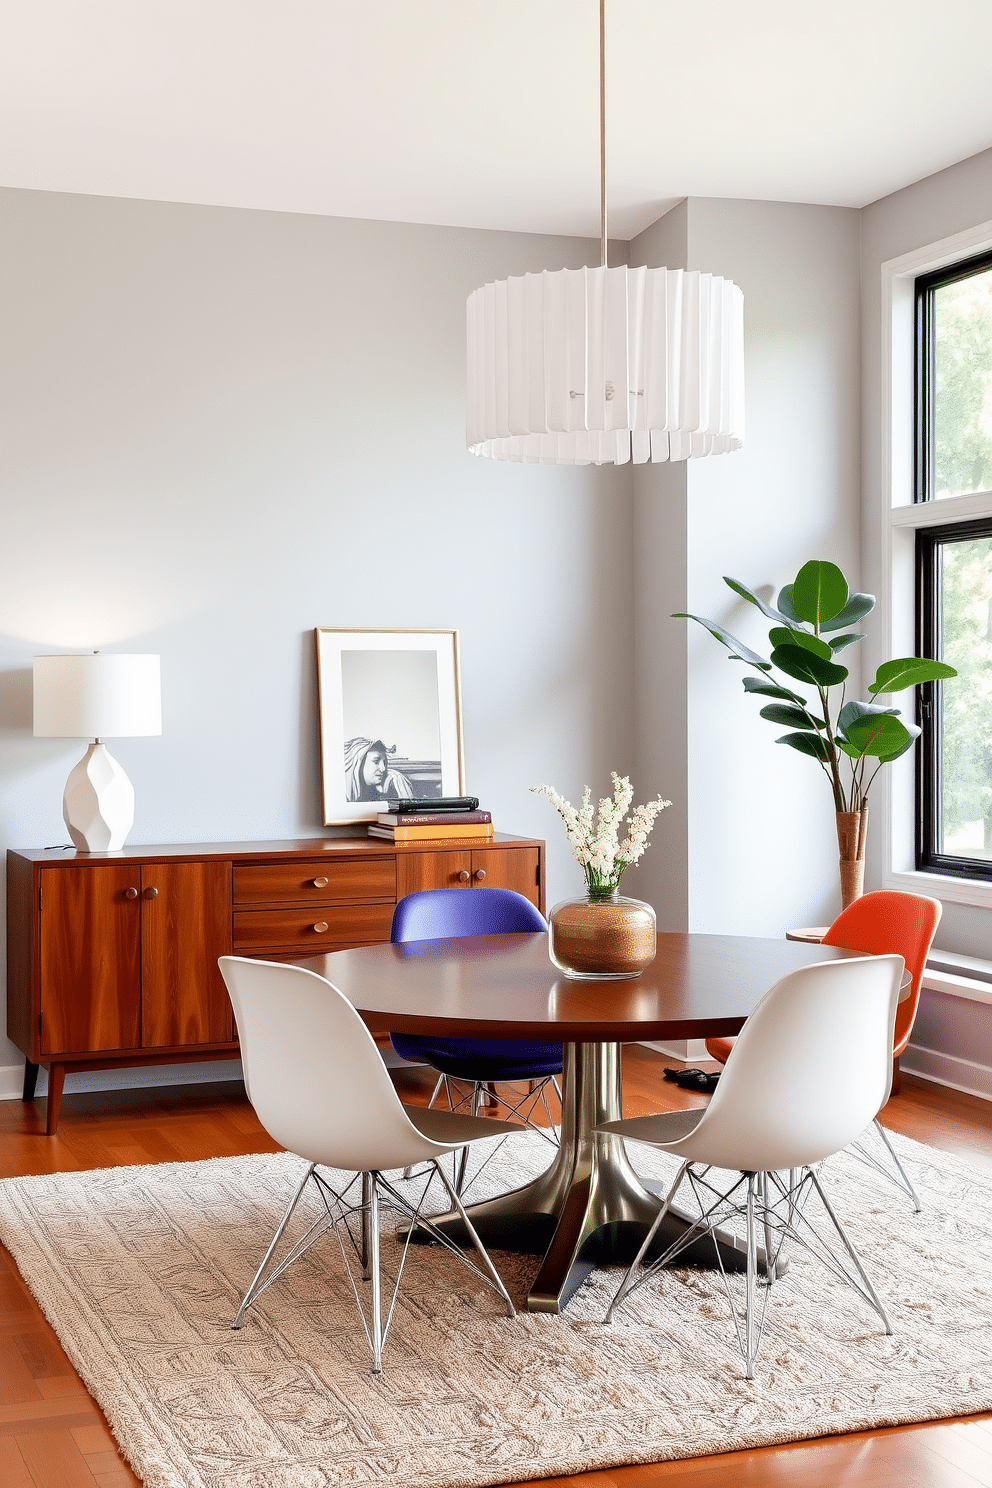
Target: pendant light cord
point(602, 128)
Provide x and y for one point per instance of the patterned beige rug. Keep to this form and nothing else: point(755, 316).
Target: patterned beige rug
point(140, 1270)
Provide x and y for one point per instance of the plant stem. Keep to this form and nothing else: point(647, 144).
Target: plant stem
point(835, 780)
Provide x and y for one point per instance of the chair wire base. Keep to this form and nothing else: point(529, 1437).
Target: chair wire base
point(522, 1108)
point(358, 1217)
point(778, 1204)
point(887, 1165)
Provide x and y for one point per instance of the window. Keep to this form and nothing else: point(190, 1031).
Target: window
point(954, 568)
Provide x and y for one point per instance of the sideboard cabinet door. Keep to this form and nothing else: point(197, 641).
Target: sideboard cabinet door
point(491, 867)
point(508, 868)
point(185, 926)
point(90, 952)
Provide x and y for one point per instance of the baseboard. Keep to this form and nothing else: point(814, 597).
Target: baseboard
point(946, 1069)
point(12, 1077)
point(11, 1081)
point(684, 1049)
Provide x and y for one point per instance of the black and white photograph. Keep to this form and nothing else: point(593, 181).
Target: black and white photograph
point(390, 719)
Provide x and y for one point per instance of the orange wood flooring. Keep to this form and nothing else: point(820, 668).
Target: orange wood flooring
point(52, 1435)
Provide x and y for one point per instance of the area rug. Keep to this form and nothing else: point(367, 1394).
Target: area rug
point(140, 1270)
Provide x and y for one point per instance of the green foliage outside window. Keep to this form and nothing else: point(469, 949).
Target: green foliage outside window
point(963, 386)
point(965, 579)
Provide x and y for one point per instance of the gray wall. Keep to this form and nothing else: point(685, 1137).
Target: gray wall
point(221, 429)
point(755, 821)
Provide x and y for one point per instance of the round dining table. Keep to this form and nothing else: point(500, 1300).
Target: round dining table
point(589, 1206)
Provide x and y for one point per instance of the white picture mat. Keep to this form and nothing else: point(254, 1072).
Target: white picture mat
point(395, 695)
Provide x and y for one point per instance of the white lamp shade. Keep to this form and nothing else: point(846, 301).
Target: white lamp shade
point(96, 696)
point(601, 366)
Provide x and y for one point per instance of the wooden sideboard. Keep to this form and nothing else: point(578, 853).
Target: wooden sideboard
point(112, 957)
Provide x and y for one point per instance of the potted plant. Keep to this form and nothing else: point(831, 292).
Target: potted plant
point(812, 622)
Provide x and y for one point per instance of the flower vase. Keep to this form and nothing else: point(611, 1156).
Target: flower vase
point(602, 937)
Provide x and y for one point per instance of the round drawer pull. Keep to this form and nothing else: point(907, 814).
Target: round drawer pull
point(320, 883)
point(130, 893)
point(480, 874)
point(321, 926)
point(151, 892)
point(465, 876)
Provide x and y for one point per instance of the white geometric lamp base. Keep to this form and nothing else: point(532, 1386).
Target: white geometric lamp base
point(98, 805)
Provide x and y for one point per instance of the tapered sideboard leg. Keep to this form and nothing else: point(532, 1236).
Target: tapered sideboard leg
point(56, 1079)
point(30, 1080)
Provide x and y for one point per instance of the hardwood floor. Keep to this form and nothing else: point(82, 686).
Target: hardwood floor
point(52, 1435)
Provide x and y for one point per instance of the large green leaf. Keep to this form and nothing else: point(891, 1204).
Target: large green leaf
point(840, 642)
point(813, 744)
point(912, 734)
point(852, 711)
point(786, 606)
point(736, 648)
point(857, 607)
point(881, 735)
point(779, 636)
point(792, 717)
point(755, 599)
point(796, 662)
point(909, 671)
point(820, 592)
point(769, 689)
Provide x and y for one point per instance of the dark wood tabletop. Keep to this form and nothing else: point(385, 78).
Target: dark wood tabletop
point(505, 986)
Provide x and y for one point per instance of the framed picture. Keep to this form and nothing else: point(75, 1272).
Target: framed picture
point(390, 719)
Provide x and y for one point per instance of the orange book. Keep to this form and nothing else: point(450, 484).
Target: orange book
point(432, 833)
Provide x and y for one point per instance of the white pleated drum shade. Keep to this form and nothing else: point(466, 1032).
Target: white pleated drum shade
point(102, 694)
point(599, 366)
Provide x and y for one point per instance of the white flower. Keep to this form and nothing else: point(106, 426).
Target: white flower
point(594, 836)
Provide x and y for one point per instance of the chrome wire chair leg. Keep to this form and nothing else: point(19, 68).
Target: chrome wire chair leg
point(254, 1289)
point(752, 1266)
point(911, 1191)
point(869, 1290)
point(628, 1280)
point(771, 1251)
point(373, 1241)
point(477, 1093)
point(366, 1247)
point(481, 1250)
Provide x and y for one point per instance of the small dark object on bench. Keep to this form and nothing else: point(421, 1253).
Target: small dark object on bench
point(694, 1079)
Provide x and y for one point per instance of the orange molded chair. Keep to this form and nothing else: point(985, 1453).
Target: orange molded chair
point(879, 924)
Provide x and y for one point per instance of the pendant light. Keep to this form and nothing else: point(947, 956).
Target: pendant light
point(601, 366)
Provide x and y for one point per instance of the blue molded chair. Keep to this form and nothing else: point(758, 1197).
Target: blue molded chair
point(446, 914)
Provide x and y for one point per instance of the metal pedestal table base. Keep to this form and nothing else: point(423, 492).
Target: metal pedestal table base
point(589, 1207)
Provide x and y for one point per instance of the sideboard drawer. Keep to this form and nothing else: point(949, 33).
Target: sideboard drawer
point(322, 882)
point(355, 924)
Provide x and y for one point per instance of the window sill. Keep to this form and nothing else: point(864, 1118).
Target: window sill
point(943, 886)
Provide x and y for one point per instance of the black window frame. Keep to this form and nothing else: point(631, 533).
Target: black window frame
point(929, 539)
point(929, 701)
point(925, 364)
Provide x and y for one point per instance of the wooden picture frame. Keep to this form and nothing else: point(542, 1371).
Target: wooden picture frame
point(389, 705)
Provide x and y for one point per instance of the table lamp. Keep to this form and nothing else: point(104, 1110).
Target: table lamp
point(91, 696)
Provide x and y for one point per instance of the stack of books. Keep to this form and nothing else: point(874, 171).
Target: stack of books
point(423, 819)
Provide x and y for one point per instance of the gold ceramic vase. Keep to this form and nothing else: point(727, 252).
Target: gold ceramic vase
point(602, 937)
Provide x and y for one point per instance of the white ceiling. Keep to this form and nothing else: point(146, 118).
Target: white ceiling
point(484, 113)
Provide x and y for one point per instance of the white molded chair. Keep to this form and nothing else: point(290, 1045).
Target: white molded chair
point(808, 1072)
point(319, 1087)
